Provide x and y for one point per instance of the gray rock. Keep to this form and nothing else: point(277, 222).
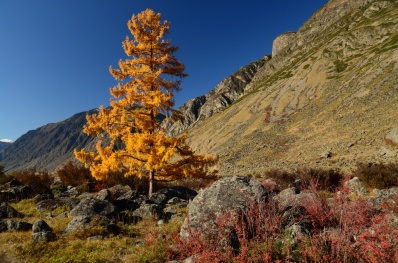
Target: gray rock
point(52, 204)
point(14, 226)
point(7, 211)
point(91, 206)
point(44, 236)
point(122, 192)
point(164, 195)
point(227, 195)
point(41, 231)
point(41, 226)
point(101, 223)
point(355, 186)
point(384, 196)
point(104, 194)
point(149, 211)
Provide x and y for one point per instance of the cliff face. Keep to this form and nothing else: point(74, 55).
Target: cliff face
point(333, 90)
point(224, 94)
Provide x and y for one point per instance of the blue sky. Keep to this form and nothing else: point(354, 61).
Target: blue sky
point(55, 54)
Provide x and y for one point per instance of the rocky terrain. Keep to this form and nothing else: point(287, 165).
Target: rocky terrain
point(326, 98)
point(329, 99)
point(175, 224)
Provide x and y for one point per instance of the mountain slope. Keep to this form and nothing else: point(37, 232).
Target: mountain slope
point(49, 146)
point(4, 144)
point(332, 92)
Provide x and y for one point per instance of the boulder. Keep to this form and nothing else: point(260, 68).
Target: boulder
point(387, 197)
point(356, 187)
point(164, 195)
point(52, 204)
point(41, 231)
point(104, 194)
point(99, 223)
point(149, 211)
point(14, 226)
point(122, 192)
point(7, 211)
point(91, 206)
point(229, 195)
point(41, 197)
point(291, 197)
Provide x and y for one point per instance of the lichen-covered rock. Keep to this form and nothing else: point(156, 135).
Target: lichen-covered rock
point(91, 206)
point(356, 187)
point(104, 194)
point(149, 211)
point(164, 195)
point(52, 204)
point(227, 195)
point(99, 223)
point(41, 231)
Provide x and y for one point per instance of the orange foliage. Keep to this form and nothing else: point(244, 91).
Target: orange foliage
point(145, 89)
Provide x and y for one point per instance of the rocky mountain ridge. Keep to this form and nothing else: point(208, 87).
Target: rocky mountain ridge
point(327, 98)
point(49, 146)
point(224, 94)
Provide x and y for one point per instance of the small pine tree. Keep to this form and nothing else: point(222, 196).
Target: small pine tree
point(145, 90)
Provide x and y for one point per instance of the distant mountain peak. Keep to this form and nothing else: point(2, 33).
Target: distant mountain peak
point(6, 140)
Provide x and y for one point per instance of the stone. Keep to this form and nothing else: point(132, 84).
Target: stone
point(149, 211)
point(384, 196)
point(41, 226)
point(44, 236)
point(100, 223)
point(229, 195)
point(52, 204)
point(355, 186)
point(122, 192)
point(7, 211)
point(91, 206)
point(14, 226)
point(104, 194)
point(164, 195)
point(41, 197)
point(41, 231)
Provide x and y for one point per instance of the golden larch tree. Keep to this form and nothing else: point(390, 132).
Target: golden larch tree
point(147, 81)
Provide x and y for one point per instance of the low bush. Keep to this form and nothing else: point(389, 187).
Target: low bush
point(375, 175)
point(329, 230)
point(74, 175)
point(39, 181)
point(328, 180)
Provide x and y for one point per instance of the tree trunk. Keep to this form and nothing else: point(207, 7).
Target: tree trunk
point(151, 179)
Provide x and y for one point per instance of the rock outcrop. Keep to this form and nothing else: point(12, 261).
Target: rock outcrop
point(224, 94)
